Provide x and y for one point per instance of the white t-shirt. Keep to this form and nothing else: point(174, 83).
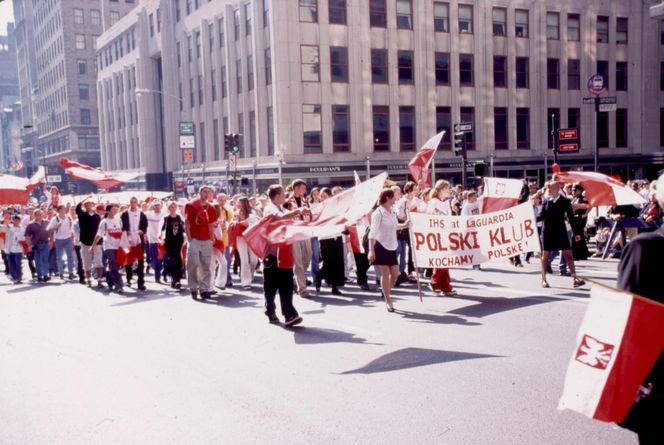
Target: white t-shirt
point(272, 209)
point(470, 208)
point(110, 229)
point(155, 221)
point(384, 228)
point(62, 226)
point(438, 207)
point(14, 237)
point(134, 220)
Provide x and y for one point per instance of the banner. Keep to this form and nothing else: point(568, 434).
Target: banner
point(448, 241)
point(500, 194)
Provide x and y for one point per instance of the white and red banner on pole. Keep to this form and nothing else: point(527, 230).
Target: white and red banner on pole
point(602, 190)
point(16, 190)
point(447, 241)
point(418, 167)
point(499, 194)
point(99, 178)
point(618, 343)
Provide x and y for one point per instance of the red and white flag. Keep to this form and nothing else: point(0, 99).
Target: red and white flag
point(357, 177)
point(37, 178)
point(103, 180)
point(619, 341)
point(16, 190)
point(603, 190)
point(500, 194)
point(418, 167)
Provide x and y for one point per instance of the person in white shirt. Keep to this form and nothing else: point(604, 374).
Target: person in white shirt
point(110, 230)
point(383, 243)
point(248, 260)
point(470, 206)
point(60, 231)
point(439, 204)
point(15, 235)
point(135, 224)
point(155, 219)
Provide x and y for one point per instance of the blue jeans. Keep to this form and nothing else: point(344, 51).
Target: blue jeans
point(113, 277)
point(67, 246)
point(155, 262)
point(41, 259)
point(14, 260)
point(401, 251)
point(315, 258)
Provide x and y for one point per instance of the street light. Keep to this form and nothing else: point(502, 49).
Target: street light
point(279, 156)
point(140, 91)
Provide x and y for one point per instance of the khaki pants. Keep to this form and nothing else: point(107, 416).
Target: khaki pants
point(93, 258)
point(302, 257)
point(199, 257)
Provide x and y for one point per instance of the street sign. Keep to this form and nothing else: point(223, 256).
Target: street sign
point(568, 140)
point(188, 155)
point(51, 179)
point(589, 100)
point(568, 148)
point(187, 142)
point(608, 107)
point(608, 100)
point(565, 134)
point(597, 85)
point(465, 127)
point(187, 128)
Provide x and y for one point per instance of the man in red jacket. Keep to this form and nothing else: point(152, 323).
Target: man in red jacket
point(200, 219)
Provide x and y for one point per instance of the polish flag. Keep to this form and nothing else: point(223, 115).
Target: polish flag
point(37, 178)
point(620, 339)
point(418, 167)
point(126, 256)
point(103, 180)
point(500, 194)
point(602, 190)
point(16, 190)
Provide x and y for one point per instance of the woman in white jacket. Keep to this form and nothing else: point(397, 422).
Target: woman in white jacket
point(248, 260)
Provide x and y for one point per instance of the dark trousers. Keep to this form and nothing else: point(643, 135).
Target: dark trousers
point(5, 260)
point(31, 262)
point(173, 265)
point(140, 272)
point(79, 264)
point(14, 260)
point(113, 277)
point(52, 260)
point(361, 268)
point(279, 280)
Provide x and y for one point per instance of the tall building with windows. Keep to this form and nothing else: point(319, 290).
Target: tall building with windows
point(9, 96)
point(338, 85)
point(56, 44)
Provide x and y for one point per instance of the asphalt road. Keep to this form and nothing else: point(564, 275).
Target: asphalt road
point(82, 367)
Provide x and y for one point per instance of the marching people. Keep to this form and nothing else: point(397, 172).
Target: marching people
point(578, 223)
point(15, 237)
point(91, 254)
point(226, 214)
point(155, 218)
point(301, 249)
point(439, 204)
point(36, 236)
point(60, 233)
point(135, 226)
point(244, 218)
point(383, 243)
point(110, 231)
point(218, 264)
point(332, 254)
point(200, 218)
point(172, 234)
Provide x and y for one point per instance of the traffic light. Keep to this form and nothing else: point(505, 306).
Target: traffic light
point(228, 142)
point(235, 143)
point(459, 143)
point(480, 169)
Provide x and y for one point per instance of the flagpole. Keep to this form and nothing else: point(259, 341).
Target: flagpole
point(412, 254)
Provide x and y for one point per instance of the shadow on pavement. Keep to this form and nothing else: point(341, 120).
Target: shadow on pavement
point(495, 305)
point(414, 358)
point(144, 296)
point(347, 299)
point(435, 319)
point(304, 335)
point(232, 301)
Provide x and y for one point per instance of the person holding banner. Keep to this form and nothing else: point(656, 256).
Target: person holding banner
point(110, 230)
point(383, 243)
point(439, 204)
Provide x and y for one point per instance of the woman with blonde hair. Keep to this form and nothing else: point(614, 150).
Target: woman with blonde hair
point(440, 205)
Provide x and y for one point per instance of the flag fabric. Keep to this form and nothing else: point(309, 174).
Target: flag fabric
point(500, 194)
point(418, 167)
point(103, 180)
point(127, 256)
point(619, 341)
point(602, 189)
point(357, 177)
point(37, 178)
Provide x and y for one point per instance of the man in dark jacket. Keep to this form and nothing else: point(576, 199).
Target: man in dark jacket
point(88, 223)
point(135, 225)
point(640, 272)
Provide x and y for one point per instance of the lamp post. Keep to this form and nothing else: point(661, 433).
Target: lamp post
point(279, 156)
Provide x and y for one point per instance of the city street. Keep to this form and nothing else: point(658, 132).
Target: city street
point(79, 366)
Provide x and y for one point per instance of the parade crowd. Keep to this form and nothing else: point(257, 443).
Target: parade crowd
point(106, 245)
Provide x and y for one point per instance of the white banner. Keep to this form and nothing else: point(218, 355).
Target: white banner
point(448, 241)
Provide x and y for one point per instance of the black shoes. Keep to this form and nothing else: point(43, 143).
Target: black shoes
point(205, 295)
point(336, 291)
point(142, 287)
point(294, 320)
point(194, 294)
point(272, 318)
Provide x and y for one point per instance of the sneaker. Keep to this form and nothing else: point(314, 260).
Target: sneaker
point(142, 287)
point(451, 293)
point(336, 291)
point(221, 287)
point(305, 295)
point(119, 291)
point(434, 290)
point(205, 295)
point(62, 276)
point(366, 287)
point(272, 318)
point(194, 294)
point(564, 273)
point(72, 277)
point(294, 320)
point(578, 282)
point(100, 284)
point(177, 286)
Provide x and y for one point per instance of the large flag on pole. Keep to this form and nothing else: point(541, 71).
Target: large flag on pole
point(418, 167)
point(602, 189)
point(96, 176)
point(619, 341)
point(16, 190)
point(500, 194)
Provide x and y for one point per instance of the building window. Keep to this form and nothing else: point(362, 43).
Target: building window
point(621, 76)
point(115, 17)
point(78, 16)
point(178, 53)
point(521, 23)
point(250, 72)
point(198, 44)
point(602, 29)
point(268, 66)
point(252, 134)
point(467, 114)
point(236, 24)
point(222, 32)
point(465, 19)
point(523, 128)
point(501, 131)
point(189, 6)
point(573, 74)
point(661, 76)
point(240, 130)
point(83, 92)
point(406, 75)
point(379, 71)
point(190, 49)
point(552, 26)
point(603, 70)
point(444, 123)
point(211, 35)
point(406, 128)
point(178, 11)
point(80, 41)
point(247, 19)
point(552, 74)
point(441, 17)
point(311, 126)
point(192, 103)
point(466, 70)
point(266, 19)
point(270, 132)
point(404, 14)
point(377, 13)
point(215, 139)
point(602, 129)
point(310, 63)
point(85, 117)
point(573, 118)
point(522, 72)
point(573, 27)
point(201, 131)
point(621, 127)
point(213, 81)
point(309, 11)
point(621, 30)
point(180, 95)
point(340, 128)
point(95, 16)
point(500, 22)
point(661, 127)
point(238, 75)
point(500, 71)
point(552, 124)
point(200, 90)
point(224, 84)
point(381, 128)
point(339, 63)
point(442, 68)
point(82, 67)
point(337, 11)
